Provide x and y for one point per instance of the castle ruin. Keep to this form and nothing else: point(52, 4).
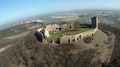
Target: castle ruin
point(94, 21)
point(43, 32)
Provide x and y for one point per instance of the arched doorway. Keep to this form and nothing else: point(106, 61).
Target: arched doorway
point(92, 34)
point(80, 36)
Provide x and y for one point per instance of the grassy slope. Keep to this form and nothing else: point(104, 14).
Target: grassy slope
point(18, 35)
point(102, 53)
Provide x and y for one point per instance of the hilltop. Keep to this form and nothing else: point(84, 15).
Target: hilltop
point(30, 52)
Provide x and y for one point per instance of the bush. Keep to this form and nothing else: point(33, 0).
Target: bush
point(65, 47)
point(88, 40)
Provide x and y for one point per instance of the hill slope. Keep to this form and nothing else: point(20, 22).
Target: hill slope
point(29, 52)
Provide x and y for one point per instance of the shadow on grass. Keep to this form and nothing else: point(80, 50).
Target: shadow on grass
point(73, 30)
point(86, 25)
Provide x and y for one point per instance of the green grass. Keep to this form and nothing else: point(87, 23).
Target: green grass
point(71, 31)
point(55, 35)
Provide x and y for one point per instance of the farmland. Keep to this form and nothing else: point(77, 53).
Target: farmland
point(107, 17)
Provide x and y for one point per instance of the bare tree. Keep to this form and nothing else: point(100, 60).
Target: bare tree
point(77, 25)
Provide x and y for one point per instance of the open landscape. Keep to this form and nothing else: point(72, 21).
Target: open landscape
point(101, 46)
point(60, 33)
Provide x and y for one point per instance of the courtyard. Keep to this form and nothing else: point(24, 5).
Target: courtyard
point(70, 31)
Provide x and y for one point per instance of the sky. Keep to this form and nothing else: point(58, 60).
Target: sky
point(11, 10)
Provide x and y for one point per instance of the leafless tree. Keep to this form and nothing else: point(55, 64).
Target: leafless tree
point(77, 25)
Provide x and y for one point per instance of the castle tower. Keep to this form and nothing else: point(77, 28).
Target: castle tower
point(94, 21)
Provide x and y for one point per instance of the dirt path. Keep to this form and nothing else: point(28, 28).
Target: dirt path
point(4, 48)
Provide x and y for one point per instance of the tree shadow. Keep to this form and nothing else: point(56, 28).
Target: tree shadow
point(86, 25)
point(38, 37)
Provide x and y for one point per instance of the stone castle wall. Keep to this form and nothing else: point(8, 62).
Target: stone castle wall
point(64, 39)
point(52, 27)
point(74, 38)
point(40, 34)
point(44, 34)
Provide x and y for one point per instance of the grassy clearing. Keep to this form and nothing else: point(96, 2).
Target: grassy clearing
point(18, 35)
point(55, 35)
point(71, 31)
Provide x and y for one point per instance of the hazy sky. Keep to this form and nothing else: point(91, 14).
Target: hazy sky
point(11, 10)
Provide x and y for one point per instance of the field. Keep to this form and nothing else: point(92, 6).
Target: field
point(71, 31)
point(111, 23)
point(69, 17)
point(50, 19)
point(118, 19)
point(93, 12)
point(83, 20)
point(86, 18)
point(106, 21)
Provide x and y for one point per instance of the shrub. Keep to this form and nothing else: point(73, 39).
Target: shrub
point(87, 40)
point(65, 47)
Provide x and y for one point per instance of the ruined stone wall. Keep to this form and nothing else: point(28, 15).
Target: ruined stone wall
point(53, 40)
point(52, 27)
point(74, 38)
point(56, 26)
point(70, 38)
point(40, 34)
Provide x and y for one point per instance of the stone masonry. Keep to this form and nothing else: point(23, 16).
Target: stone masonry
point(43, 33)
